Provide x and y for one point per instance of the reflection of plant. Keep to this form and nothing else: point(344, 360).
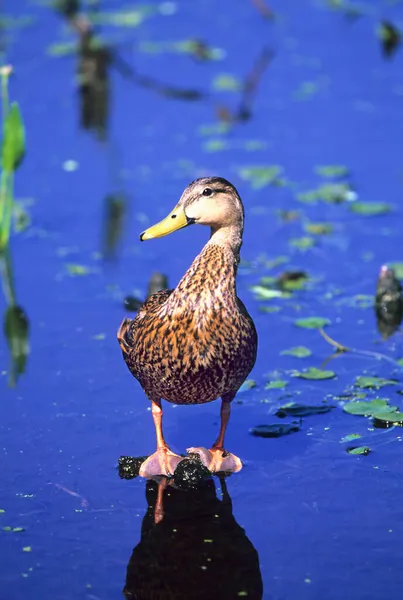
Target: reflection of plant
point(16, 326)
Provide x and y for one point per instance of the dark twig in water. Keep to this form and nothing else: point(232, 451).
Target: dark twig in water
point(152, 84)
point(249, 91)
point(263, 8)
point(342, 349)
point(252, 82)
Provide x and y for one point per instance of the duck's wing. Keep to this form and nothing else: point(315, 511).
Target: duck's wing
point(129, 326)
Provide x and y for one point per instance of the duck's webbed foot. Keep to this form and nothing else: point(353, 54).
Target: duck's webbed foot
point(217, 459)
point(162, 462)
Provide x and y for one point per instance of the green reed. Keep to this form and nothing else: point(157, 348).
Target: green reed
point(12, 153)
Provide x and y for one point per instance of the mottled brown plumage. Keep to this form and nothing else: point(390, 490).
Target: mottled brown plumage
point(197, 342)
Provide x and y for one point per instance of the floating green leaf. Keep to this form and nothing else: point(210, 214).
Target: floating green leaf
point(314, 373)
point(370, 209)
point(260, 176)
point(275, 385)
point(331, 170)
point(269, 309)
point(216, 145)
point(319, 228)
point(367, 408)
point(263, 293)
point(390, 416)
point(77, 270)
point(363, 450)
point(13, 147)
point(226, 82)
point(333, 193)
point(303, 243)
point(247, 385)
point(373, 382)
point(350, 437)
point(126, 17)
point(312, 322)
point(298, 352)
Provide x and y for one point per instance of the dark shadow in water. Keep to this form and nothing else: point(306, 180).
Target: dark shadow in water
point(250, 89)
point(158, 281)
point(388, 302)
point(191, 545)
point(15, 321)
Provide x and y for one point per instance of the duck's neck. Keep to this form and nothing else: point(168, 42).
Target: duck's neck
point(213, 271)
point(229, 238)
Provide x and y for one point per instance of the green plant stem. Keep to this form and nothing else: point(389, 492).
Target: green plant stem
point(4, 180)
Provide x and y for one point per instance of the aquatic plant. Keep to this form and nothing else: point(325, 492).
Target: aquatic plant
point(12, 152)
point(16, 324)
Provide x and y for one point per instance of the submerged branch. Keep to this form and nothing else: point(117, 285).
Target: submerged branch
point(342, 349)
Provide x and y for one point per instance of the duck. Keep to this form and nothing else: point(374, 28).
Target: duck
point(195, 343)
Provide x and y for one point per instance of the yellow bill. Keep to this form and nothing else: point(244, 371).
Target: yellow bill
point(176, 219)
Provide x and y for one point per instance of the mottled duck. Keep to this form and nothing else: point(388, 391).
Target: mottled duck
point(197, 342)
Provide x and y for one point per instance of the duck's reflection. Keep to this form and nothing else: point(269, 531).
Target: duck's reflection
point(192, 547)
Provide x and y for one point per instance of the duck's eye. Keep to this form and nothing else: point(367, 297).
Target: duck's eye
point(207, 192)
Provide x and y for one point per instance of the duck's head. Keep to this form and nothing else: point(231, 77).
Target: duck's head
point(212, 201)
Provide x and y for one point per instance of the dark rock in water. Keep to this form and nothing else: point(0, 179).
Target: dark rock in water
point(388, 302)
point(129, 466)
point(274, 431)
point(391, 38)
point(157, 282)
point(302, 410)
point(190, 473)
point(132, 304)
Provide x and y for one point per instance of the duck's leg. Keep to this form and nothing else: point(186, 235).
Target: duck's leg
point(217, 458)
point(163, 461)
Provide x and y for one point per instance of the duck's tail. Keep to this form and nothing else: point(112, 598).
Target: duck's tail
point(123, 336)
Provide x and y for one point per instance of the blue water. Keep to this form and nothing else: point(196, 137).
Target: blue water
point(325, 524)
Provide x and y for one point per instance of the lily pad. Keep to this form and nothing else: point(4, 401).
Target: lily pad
point(389, 416)
point(277, 384)
point(333, 193)
point(247, 385)
point(314, 373)
point(77, 270)
point(263, 293)
point(269, 309)
point(319, 228)
point(302, 410)
point(260, 176)
point(298, 352)
point(350, 437)
point(292, 280)
point(312, 322)
point(370, 209)
point(331, 170)
point(363, 450)
point(227, 82)
point(303, 243)
point(274, 431)
point(373, 382)
point(367, 408)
